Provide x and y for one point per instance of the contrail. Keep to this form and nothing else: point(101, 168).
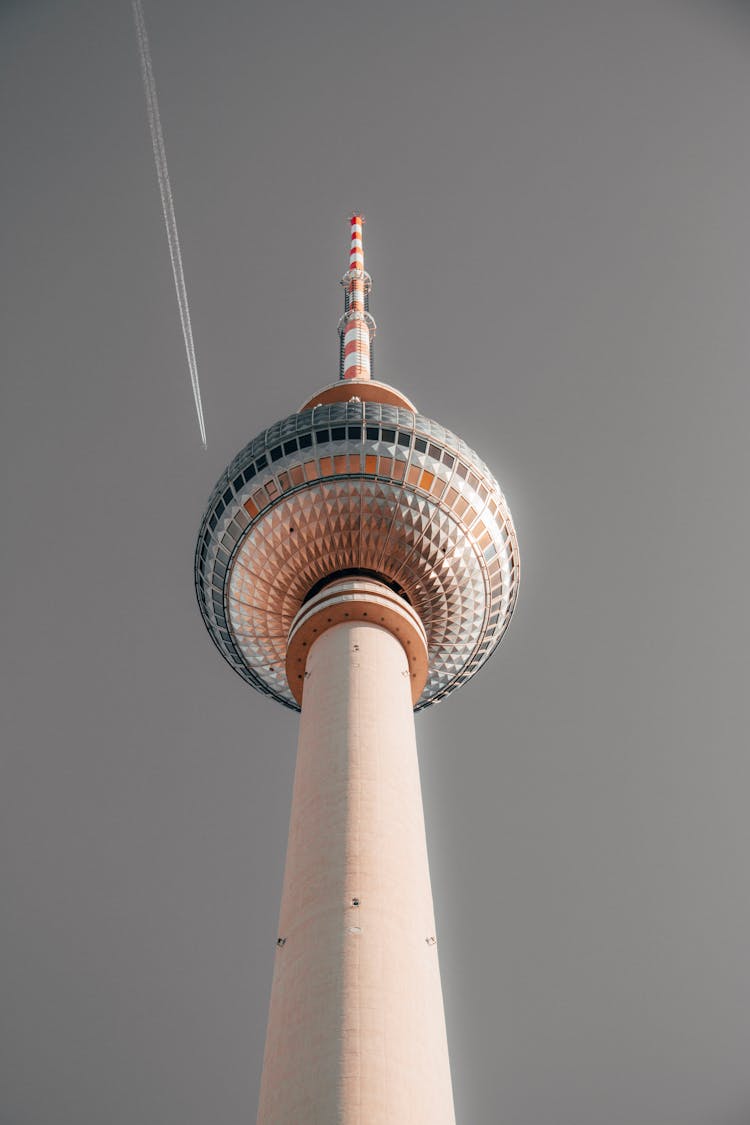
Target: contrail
point(167, 203)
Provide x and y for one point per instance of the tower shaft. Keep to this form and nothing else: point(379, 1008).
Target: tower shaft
point(356, 1031)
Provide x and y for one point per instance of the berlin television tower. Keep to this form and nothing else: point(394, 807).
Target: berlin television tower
point(356, 562)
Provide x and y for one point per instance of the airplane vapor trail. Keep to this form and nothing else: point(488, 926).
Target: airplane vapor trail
point(167, 203)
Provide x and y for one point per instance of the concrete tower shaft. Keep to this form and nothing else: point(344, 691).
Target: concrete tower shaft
point(356, 1032)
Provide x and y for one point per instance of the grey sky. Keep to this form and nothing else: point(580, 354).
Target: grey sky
point(557, 204)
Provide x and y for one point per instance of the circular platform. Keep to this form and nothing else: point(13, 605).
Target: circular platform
point(357, 486)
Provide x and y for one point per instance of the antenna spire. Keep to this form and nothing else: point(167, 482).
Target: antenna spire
point(356, 327)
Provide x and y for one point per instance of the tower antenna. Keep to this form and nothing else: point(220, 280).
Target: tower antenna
point(356, 327)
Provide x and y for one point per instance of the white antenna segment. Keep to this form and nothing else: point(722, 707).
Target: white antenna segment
point(167, 203)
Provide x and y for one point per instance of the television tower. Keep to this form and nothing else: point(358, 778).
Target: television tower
point(357, 562)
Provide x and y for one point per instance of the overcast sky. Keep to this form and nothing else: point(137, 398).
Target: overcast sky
point(557, 199)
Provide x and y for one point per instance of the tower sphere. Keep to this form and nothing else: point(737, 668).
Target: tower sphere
point(356, 483)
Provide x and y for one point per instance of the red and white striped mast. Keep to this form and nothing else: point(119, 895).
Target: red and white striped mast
point(356, 327)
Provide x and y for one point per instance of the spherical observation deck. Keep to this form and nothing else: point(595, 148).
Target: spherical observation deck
point(357, 487)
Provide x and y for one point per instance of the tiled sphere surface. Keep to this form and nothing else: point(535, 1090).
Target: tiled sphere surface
point(357, 486)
